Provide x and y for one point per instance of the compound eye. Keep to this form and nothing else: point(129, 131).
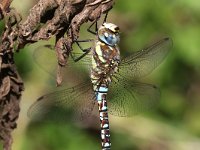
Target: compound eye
point(109, 39)
point(112, 39)
point(106, 34)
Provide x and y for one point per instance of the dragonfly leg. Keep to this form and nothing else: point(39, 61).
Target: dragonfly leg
point(89, 29)
point(105, 18)
point(82, 49)
point(95, 22)
point(86, 51)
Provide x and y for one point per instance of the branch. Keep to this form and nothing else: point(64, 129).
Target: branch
point(11, 84)
point(48, 18)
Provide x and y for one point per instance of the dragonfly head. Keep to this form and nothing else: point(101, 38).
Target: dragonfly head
point(109, 34)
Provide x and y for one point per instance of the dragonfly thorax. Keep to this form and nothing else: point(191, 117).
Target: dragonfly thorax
point(109, 34)
point(106, 55)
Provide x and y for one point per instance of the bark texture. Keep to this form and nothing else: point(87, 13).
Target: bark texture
point(48, 18)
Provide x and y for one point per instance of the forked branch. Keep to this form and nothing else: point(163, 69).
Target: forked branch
point(48, 18)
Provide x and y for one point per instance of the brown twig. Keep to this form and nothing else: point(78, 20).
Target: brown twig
point(4, 7)
point(48, 18)
point(11, 84)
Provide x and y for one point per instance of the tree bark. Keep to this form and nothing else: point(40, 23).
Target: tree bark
point(48, 18)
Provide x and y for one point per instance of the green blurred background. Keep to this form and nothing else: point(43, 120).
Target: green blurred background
point(174, 125)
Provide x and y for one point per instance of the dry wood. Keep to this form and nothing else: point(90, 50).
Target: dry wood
point(48, 18)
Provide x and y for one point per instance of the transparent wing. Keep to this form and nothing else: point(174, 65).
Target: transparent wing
point(45, 57)
point(74, 103)
point(126, 99)
point(143, 62)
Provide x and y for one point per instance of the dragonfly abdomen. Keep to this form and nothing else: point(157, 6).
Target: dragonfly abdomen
point(103, 113)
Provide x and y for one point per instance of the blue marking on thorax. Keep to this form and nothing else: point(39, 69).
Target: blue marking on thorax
point(102, 90)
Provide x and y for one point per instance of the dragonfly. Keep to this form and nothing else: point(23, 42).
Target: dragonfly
point(113, 82)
